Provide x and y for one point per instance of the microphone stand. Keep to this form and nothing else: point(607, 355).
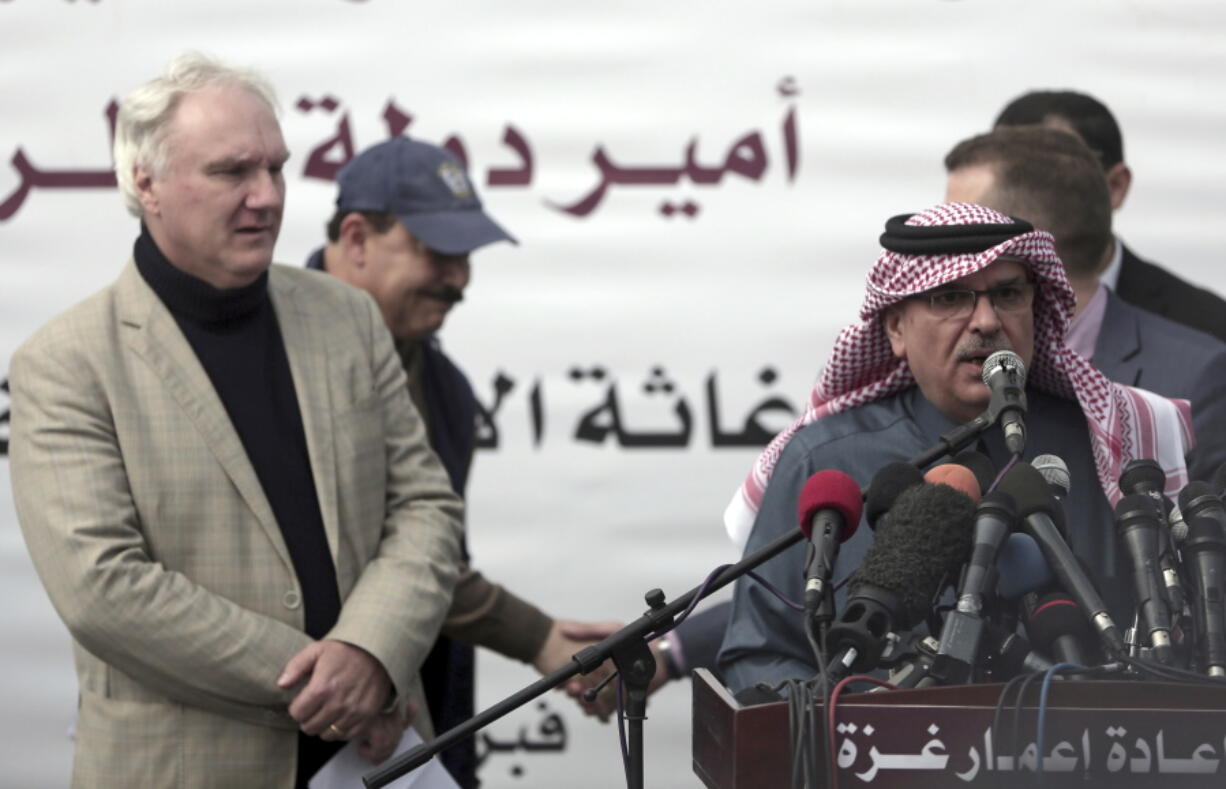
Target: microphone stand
point(629, 652)
point(628, 647)
point(958, 438)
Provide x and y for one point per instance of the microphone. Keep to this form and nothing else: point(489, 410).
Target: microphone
point(1206, 545)
point(1036, 507)
point(1206, 548)
point(1057, 627)
point(994, 519)
point(963, 627)
point(1179, 529)
point(956, 476)
point(1136, 522)
point(980, 465)
point(1197, 499)
point(883, 491)
point(1146, 477)
point(1005, 374)
point(1009, 654)
point(921, 541)
point(1218, 483)
point(1055, 471)
point(829, 513)
point(1020, 567)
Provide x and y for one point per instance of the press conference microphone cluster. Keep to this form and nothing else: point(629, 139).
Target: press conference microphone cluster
point(1038, 514)
point(1025, 515)
point(921, 541)
point(1009, 546)
point(1179, 565)
point(1023, 600)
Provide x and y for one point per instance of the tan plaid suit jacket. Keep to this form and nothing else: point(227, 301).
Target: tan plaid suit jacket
point(158, 548)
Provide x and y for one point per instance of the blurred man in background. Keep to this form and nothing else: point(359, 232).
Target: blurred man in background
point(1050, 178)
point(1133, 279)
point(407, 220)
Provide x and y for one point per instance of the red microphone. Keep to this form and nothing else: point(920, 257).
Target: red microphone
point(829, 510)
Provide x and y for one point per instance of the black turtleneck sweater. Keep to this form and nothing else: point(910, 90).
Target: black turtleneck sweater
point(235, 335)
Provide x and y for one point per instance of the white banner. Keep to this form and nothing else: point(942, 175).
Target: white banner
point(697, 188)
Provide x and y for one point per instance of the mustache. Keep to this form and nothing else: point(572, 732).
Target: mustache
point(447, 293)
point(978, 348)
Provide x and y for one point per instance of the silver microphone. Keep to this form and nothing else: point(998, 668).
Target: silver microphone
point(1005, 374)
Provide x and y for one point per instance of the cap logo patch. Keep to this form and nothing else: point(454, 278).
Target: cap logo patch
point(454, 178)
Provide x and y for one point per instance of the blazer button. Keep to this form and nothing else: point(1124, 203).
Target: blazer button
point(292, 599)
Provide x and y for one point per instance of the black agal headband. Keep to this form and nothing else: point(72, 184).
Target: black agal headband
point(947, 239)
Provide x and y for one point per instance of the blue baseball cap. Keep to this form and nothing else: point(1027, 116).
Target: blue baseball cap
point(426, 188)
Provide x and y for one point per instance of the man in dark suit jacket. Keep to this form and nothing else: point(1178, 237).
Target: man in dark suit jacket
point(1051, 179)
point(1157, 290)
point(1141, 349)
point(1135, 280)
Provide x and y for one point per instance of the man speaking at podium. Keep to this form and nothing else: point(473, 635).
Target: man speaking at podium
point(953, 284)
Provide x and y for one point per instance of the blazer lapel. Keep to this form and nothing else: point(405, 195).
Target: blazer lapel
point(1118, 349)
point(308, 365)
point(156, 338)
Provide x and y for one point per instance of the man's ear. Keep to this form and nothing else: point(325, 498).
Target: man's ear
point(1119, 180)
point(353, 234)
point(143, 180)
point(891, 322)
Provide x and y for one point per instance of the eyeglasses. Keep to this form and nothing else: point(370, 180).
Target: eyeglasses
point(961, 302)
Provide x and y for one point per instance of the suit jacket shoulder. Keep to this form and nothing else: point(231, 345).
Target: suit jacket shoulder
point(1157, 290)
point(1145, 350)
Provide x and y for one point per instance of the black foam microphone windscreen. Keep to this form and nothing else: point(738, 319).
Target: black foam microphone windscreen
point(885, 488)
point(926, 537)
point(922, 540)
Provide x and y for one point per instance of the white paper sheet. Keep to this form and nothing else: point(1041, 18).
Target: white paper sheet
point(346, 768)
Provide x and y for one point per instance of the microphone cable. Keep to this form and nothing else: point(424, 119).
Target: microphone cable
point(1013, 461)
point(832, 711)
point(1170, 673)
point(804, 733)
point(1017, 721)
point(806, 739)
point(1041, 726)
point(998, 714)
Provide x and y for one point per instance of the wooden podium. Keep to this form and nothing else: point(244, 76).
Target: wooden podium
point(1097, 734)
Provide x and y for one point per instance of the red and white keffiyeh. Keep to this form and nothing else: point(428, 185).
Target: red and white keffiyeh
point(1124, 423)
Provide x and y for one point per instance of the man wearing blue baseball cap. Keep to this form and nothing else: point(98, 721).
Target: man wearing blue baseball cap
point(407, 219)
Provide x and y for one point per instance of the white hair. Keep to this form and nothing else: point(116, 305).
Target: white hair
point(145, 115)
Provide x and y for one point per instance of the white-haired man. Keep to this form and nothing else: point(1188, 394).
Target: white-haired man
point(221, 479)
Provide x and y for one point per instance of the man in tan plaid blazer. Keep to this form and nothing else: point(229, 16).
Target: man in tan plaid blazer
point(188, 561)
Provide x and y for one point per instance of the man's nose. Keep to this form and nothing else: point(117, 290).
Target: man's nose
point(454, 271)
point(984, 318)
point(266, 190)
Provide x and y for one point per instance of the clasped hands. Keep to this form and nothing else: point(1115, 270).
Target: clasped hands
point(345, 697)
point(568, 637)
